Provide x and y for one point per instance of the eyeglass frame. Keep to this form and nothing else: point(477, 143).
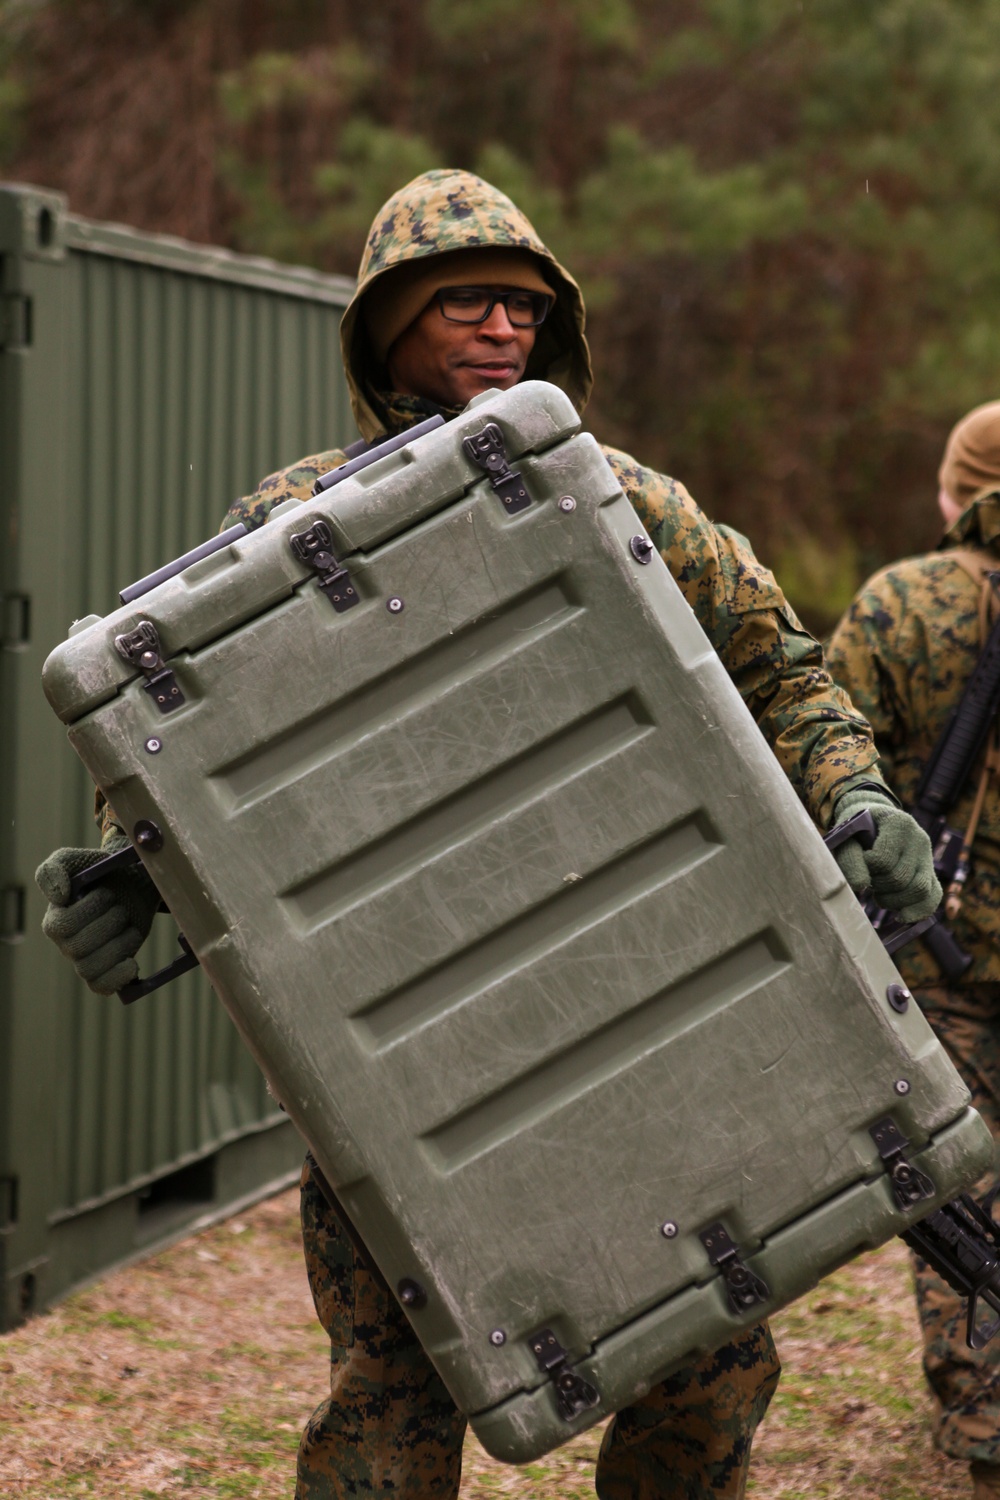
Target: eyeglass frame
point(493, 298)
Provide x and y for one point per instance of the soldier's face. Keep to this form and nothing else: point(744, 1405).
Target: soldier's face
point(449, 363)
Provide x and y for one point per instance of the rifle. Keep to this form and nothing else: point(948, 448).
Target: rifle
point(961, 1243)
point(960, 1239)
point(945, 774)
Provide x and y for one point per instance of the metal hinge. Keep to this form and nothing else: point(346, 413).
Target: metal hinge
point(315, 548)
point(15, 622)
point(744, 1289)
point(573, 1393)
point(15, 321)
point(909, 1184)
point(12, 909)
point(141, 648)
point(487, 451)
point(8, 1201)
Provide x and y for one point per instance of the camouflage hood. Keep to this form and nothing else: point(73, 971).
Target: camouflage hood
point(979, 523)
point(448, 210)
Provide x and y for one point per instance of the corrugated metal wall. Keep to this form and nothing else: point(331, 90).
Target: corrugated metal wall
point(143, 385)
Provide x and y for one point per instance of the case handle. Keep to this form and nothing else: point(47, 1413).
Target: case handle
point(862, 827)
point(93, 875)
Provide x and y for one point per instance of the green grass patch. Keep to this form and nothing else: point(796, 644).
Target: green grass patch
point(114, 1318)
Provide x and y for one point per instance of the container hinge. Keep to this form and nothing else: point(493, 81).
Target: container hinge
point(573, 1393)
point(15, 626)
point(141, 648)
point(8, 1201)
point(15, 321)
point(12, 909)
point(909, 1184)
point(487, 451)
point(744, 1289)
point(315, 548)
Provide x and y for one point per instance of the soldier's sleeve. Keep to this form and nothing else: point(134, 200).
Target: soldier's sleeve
point(867, 657)
point(107, 824)
point(822, 743)
point(293, 483)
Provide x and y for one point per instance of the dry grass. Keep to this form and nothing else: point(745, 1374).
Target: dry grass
point(191, 1374)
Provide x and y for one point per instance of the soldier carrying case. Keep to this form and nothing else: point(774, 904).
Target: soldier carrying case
point(486, 858)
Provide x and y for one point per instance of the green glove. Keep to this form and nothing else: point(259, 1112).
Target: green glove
point(102, 932)
point(898, 870)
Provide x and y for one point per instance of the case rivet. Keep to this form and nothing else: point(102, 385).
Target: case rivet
point(567, 503)
point(642, 549)
point(498, 1337)
point(148, 836)
point(902, 1085)
point(898, 997)
point(669, 1230)
point(153, 745)
point(394, 605)
point(411, 1293)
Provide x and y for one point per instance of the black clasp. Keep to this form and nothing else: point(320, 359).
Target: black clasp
point(315, 548)
point(909, 1184)
point(141, 648)
point(744, 1289)
point(487, 451)
point(573, 1393)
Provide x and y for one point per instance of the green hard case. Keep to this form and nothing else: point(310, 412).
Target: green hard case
point(530, 935)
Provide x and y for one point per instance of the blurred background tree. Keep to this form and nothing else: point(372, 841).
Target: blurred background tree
point(784, 213)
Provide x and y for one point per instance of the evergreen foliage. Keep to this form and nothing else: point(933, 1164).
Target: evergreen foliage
point(784, 213)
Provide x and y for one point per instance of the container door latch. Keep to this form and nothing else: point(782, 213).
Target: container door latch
point(909, 1184)
point(743, 1288)
point(573, 1393)
point(487, 451)
point(141, 648)
point(315, 548)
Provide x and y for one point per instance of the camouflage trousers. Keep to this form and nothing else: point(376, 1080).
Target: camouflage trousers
point(965, 1383)
point(390, 1428)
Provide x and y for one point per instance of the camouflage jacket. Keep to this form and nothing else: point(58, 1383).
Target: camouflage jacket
point(904, 651)
point(822, 744)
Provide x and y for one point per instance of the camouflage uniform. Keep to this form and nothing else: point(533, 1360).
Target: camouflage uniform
point(904, 651)
point(389, 1426)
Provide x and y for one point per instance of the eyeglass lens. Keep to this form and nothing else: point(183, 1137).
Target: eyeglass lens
point(473, 304)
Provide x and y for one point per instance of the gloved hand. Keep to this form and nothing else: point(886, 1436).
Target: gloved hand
point(898, 870)
point(102, 932)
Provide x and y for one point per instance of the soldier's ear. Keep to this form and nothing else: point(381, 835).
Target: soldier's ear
point(949, 507)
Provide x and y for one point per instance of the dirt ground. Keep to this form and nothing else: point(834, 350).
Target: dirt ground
point(191, 1374)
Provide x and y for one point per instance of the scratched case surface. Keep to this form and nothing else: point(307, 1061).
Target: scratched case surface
point(530, 935)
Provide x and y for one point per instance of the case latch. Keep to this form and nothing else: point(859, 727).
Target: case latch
point(487, 451)
point(141, 648)
point(315, 548)
point(909, 1184)
point(573, 1393)
point(744, 1289)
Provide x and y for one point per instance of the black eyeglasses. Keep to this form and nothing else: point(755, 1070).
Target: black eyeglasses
point(473, 304)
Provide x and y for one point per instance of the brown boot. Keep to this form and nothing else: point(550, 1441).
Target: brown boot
point(985, 1481)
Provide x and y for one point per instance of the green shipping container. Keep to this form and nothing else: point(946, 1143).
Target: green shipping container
point(144, 383)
